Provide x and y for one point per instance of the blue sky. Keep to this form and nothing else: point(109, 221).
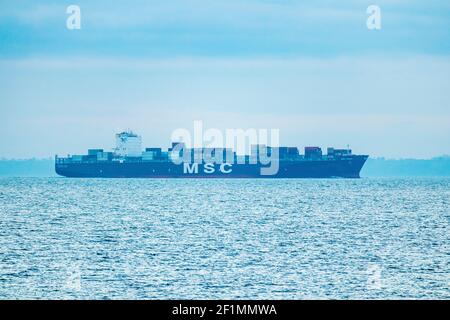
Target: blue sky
point(311, 69)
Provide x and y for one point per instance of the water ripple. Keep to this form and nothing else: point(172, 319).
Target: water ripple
point(207, 239)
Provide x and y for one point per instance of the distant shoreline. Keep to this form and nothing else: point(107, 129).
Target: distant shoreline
point(380, 167)
point(374, 167)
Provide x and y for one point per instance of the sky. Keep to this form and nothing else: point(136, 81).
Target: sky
point(309, 68)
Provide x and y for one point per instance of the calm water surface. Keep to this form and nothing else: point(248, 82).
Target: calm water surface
point(241, 239)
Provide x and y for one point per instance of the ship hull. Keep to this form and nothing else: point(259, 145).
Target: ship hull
point(154, 169)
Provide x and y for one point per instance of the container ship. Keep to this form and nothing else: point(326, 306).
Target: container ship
point(128, 160)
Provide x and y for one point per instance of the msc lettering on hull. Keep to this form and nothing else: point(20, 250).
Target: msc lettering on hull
point(193, 168)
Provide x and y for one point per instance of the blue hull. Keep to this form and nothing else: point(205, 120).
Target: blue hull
point(339, 168)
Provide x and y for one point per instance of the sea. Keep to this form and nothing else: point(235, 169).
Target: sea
point(369, 238)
